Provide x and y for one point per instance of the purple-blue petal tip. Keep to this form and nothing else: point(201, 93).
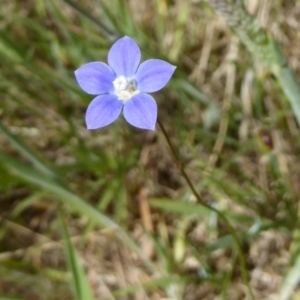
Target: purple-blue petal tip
point(141, 111)
point(124, 57)
point(153, 74)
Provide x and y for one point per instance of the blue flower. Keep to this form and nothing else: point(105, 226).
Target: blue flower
point(123, 84)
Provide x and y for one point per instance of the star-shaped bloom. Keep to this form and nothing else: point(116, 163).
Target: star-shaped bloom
point(123, 84)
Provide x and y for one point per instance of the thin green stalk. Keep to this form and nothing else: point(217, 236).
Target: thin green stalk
point(202, 202)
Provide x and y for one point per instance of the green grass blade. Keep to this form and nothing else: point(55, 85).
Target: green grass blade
point(34, 177)
point(26, 152)
point(291, 281)
point(75, 202)
point(83, 290)
point(181, 207)
point(291, 89)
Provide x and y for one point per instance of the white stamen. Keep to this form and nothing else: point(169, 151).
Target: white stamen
point(125, 88)
point(120, 83)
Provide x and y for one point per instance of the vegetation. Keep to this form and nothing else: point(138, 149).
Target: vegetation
point(205, 207)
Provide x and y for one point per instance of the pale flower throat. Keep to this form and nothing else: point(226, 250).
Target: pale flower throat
point(125, 88)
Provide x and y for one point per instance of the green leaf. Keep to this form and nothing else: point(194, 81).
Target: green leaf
point(181, 207)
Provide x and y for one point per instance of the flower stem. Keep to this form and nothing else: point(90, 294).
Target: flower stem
point(202, 202)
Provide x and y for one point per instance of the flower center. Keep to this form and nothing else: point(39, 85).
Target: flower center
point(125, 88)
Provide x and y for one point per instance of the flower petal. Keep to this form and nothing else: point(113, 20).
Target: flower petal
point(102, 111)
point(141, 111)
point(124, 57)
point(153, 74)
point(95, 78)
